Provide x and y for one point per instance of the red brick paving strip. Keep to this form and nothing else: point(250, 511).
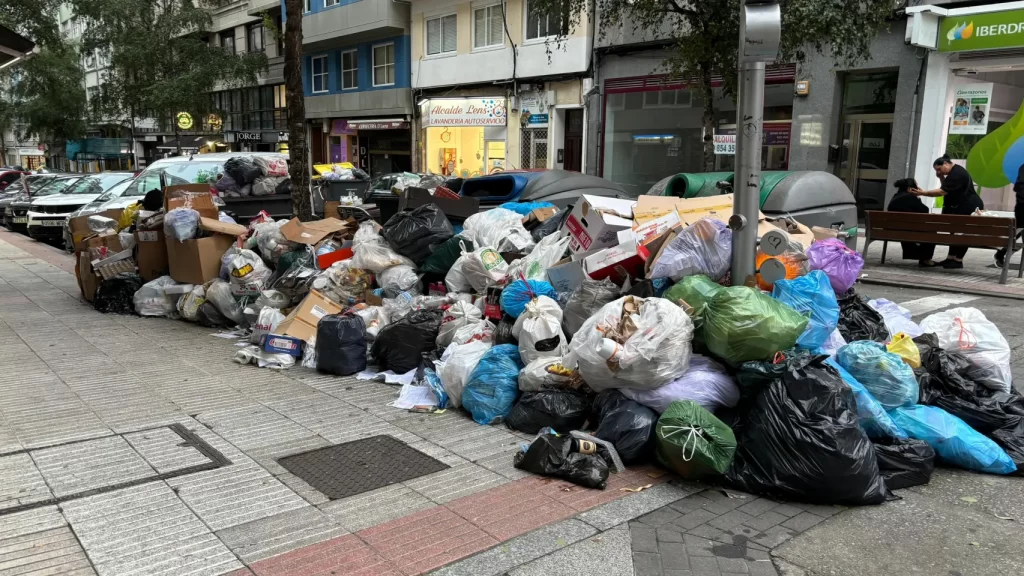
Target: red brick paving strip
point(428, 539)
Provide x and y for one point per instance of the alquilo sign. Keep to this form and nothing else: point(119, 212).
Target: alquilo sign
point(989, 31)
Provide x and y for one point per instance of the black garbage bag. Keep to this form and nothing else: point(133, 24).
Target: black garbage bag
point(858, 321)
point(628, 425)
point(209, 316)
point(503, 331)
point(400, 345)
point(943, 382)
point(552, 455)
point(341, 344)
point(115, 295)
point(242, 169)
point(561, 409)
point(549, 226)
point(416, 234)
point(444, 257)
point(284, 187)
point(800, 438)
point(904, 462)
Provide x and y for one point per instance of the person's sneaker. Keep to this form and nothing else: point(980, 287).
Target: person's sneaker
point(952, 264)
point(927, 263)
point(1000, 258)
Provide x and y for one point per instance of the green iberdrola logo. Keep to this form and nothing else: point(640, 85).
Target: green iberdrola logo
point(961, 32)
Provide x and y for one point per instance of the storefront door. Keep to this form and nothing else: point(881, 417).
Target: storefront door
point(495, 156)
point(864, 158)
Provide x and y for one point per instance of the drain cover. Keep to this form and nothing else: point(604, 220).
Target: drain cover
point(360, 466)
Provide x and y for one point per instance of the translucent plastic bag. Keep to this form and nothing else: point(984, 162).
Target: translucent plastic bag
point(219, 294)
point(188, 305)
point(955, 442)
point(493, 387)
point(483, 267)
point(225, 262)
point(180, 224)
point(703, 248)
point(967, 331)
point(542, 318)
point(841, 264)
point(398, 278)
point(706, 382)
point(653, 344)
point(266, 323)
point(249, 275)
point(517, 294)
point(367, 232)
point(871, 415)
point(743, 323)
point(271, 242)
point(903, 346)
point(544, 373)
point(833, 344)
point(547, 252)
point(488, 229)
point(585, 301)
point(897, 318)
point(811, 294)
point(456, 316)
point(152, 299)
point(455, 280)
point(377, 257)
point(889, 379)
point(456, 365)
point(273, 299)
point(263, 359)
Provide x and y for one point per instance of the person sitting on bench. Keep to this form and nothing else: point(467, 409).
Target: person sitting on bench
point(905, 201)
point(957, 188)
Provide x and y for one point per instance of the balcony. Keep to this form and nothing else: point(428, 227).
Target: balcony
point(352, 21)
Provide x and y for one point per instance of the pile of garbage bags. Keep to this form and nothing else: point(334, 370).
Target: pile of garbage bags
point(253, 176)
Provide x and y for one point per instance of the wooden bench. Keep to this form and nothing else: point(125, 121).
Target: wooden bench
point(942, 230)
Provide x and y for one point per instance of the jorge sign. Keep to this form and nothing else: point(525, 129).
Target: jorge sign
point(991, 31)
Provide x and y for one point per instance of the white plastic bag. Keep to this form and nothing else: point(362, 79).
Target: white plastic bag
point(102, 225)
point(483, 267)
point(706, 382)
point(181, 224)
point(377, 257)
point(458, 315)
point(219, 294)
point(263, 359)
point(188, 305)
point(225, 262)
point(273, 299)
point(539, 330)
point(455, 366)
point(398, 278)
point(127, 240)
point(271, 242)
point(967, 331)
point(455, 280)
point(488, 229)
point(249, 275)
point(703, 248)
point(152, 299)
point(543, 373)
point(897, 318)
point(367, 233)
point(833, 344)
point(657, 352)
point(266, 323)
point(481, 330)
point(547, 252)
point(374, 318)
point(309, 353)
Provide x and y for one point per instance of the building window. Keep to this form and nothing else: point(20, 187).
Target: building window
point(542, 25)
point(255, 34)
point(319, 74)
point(307, 6)
point(384, 65)
point(441, 35)
point(227, 40)
point(488, 27)
point(329, 3)
point(349, 69)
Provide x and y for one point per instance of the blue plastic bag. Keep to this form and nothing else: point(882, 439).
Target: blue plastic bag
point(889, 379)
point(518, 294)
point(954, 441)
point(811, 293)
point(524, 208)
point(434, 381)
point(872, 416)
point(493, 385)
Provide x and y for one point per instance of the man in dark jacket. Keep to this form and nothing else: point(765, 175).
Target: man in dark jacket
point(1018, 213)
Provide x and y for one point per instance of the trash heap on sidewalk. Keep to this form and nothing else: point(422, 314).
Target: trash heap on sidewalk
point(610, 330)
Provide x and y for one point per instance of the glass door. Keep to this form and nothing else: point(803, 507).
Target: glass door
point(495, 156)
point(864, 159)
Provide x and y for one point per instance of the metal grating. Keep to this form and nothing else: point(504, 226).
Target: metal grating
point(360, 466)
point(534, 148)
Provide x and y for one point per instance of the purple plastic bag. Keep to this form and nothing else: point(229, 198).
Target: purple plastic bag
point(839, 263)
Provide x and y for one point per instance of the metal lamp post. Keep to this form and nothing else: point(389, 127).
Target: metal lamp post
point(760, 32)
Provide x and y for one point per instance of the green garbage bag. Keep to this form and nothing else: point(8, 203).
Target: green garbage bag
point(742, 323)
point(692, 442)
point(445, 255)
point(692, 294)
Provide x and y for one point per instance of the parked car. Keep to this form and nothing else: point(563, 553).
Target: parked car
point(16, 215)
point(8, 177)
point(18, 188)
point(116, 197)
point(47, 215)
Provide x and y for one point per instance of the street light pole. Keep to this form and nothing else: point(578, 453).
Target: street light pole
point(760, 32)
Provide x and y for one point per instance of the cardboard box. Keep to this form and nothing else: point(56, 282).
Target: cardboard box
point(324, 261)
point(311, 233)
point(657, 248)
point(796, 231)
point(195, 196)
point(566, 275)
point(331, 209)
point(79, 226)
point(653, 229)
point(151, 254)
point(414, 197)
point(88, 280)
point(302, 322)
point(618, 263)
point(217, 227)
point(276, 344)
point(111, 241)
point(537, 216)
point(197, 261)
point(595, 221)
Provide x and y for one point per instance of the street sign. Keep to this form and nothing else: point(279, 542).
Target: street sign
point(725, 144)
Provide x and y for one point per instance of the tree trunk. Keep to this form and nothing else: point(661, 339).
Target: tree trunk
point(177, 135)
point(302, 206)
point(708, 119)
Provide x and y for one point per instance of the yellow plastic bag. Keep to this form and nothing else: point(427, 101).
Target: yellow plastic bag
point(128, 216)
point(903, 346)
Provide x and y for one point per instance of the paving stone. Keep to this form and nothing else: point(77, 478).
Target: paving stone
point(659, 517)
point(643, 538)
point(730, 520)
point(253, 427)
point(766, 520)
point(83, 466)
point(669, 534)
point(646, 564)
point(267, 537)
point(695, 518)
point(463, 480)
point(20, 482)
point(673, 556)
point(165, 450)
point(704, 566)
point(340, 556)
point(732, 565)
point(802, 522)
point(706, 531)
point(774, 536)
point(690, 503)
point(30, 521)
point(632, 506)
point(607, 554)
point(696, 546)
point(508, 511)
point(719, 503)
point(51, 552)
point(788, 509)
point(426, 540)
point(376, 506)
point(758, 506)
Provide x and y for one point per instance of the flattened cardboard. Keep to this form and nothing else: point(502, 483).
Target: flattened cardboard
point(179, 191)
point(538, 215)
point(649, 231)
point(331, 209)
point(197, 261)
point(595, 221)
point(218, 227)
point(79, 226)
point(151, 254)
point(566, 275)
point(88, 281)
point(303, 320)
point(310, 233)
point(414, 197)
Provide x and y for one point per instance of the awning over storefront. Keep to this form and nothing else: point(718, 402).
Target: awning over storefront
point(967, 29)
point(187, 143)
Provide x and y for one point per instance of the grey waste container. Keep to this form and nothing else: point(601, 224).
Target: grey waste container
point(334, 190)
point(814, 198)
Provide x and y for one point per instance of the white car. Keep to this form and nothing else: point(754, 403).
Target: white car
point(47, 215)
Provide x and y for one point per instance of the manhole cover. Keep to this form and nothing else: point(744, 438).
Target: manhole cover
point(360, 466)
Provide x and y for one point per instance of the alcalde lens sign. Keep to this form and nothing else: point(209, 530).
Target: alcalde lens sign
point(991, 31)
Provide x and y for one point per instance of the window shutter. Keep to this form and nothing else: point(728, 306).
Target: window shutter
point(497, 29)
point(434, 36)
point(448, 29)
point(480, 27)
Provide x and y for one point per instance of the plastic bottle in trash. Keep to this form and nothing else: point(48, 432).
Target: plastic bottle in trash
point(609, 349)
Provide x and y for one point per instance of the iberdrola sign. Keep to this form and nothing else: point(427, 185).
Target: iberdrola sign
point(990, 31)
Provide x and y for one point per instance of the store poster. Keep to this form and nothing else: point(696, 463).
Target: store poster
point(971, 105)
point(464, 112)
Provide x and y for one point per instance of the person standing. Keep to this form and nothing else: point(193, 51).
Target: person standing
point(1018, 213)
point(957, 189)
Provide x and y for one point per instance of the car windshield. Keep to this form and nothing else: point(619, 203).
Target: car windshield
point(97, 184)
point(115, 192)
point(57, 186)
point(193, 172)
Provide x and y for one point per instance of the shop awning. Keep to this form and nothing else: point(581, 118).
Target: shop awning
point(14, 47)
point(187, 143)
